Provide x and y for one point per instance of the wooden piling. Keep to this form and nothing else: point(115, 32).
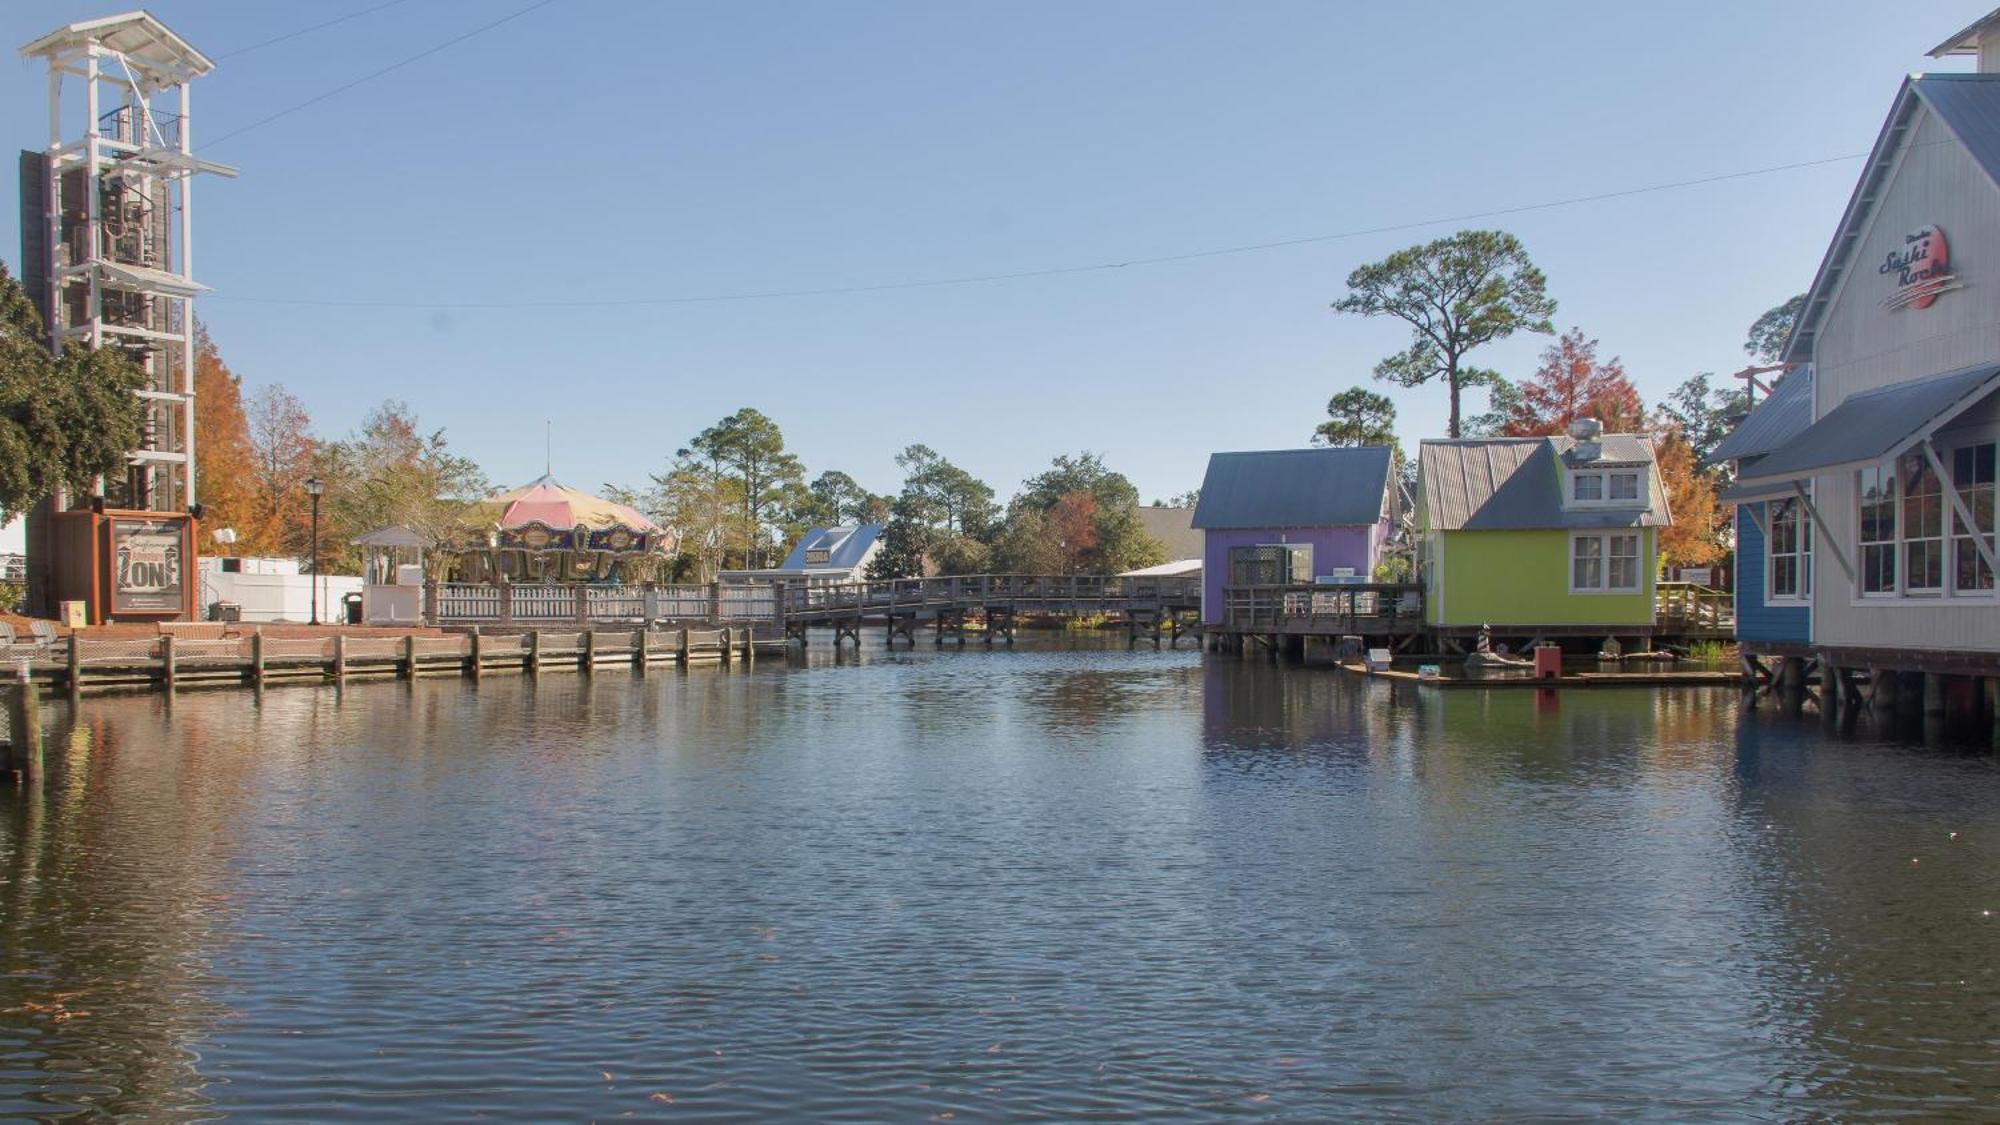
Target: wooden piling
point(642, 647)
point(24, 719)
point(586, 657)
point(478, 656)
point(167, 669)
point(340, 658)
point(725, 646)
point(409, 661)
point(535, 653)
point(1933, 693)
point(683, 648)
point(257, 659)
point(75, 672)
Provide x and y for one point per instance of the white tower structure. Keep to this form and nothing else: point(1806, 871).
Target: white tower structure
point(117, 266)
point(108, 256)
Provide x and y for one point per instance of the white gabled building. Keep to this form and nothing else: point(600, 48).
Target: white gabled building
point(1901, 330)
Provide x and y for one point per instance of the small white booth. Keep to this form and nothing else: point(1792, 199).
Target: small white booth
point(392, 585)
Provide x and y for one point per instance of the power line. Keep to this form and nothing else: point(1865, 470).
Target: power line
point(370, 77)
point(1057, 271)
point(307, 30)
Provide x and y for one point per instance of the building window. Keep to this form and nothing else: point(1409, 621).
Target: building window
point(1606, 563)
point(1788, 551)
point(1923, 525)
point(1607, 486)
point(1972, 474)
point(1875, 487)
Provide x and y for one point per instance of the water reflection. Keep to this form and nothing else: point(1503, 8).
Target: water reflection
point(1061, 882)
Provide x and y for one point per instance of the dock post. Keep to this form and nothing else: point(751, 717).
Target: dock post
point(642, 647)
point(256, 659)
point(725, 646)
point(340, 658)
point(714, 602)
point(586, 657)
point(24, 718)
point(535, 653)
point(75, 672)
point(1883, 696)
point(478, 657)
point(167, 662)
point(750, 645)
point(410, 657)
point(683, 648)
point(1933, 693)
point(1832, 690)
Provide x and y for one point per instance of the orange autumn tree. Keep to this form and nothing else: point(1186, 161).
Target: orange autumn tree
point(1572, 383)
point(1695, 538)
point(222, 448)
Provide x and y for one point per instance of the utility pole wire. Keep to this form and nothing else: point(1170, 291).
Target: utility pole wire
point(307, 30)
point(370, 77)
point(1055, 271)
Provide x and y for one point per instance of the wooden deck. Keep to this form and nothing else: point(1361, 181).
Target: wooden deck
point(1393, 614)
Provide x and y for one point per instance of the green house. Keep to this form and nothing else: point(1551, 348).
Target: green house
point(1544, 536)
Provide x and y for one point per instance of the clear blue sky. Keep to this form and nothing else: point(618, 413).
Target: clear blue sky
point(622, 149)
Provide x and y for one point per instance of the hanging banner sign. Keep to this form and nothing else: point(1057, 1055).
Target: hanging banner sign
point(146, 574)
point(1922, 270)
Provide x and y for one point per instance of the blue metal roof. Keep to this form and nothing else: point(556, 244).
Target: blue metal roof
point(846, 547)
point(1771, 423)
point(1335, 487)
point(1875, 425)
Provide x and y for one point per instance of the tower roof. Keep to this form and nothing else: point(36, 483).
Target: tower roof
point(136, 35)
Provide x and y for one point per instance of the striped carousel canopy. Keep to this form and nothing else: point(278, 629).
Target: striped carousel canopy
point(546, 514)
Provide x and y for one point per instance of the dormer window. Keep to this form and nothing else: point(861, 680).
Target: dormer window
point(1606, 486)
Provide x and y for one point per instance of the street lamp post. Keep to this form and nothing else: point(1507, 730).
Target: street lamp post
point(315, 486)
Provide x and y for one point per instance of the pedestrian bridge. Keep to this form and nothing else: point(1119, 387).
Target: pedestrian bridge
point(998, 601)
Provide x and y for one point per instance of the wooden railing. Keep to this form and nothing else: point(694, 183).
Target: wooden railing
point(1685, 607)
point(1067, 593)
point(475, 603)
point(1358, 608)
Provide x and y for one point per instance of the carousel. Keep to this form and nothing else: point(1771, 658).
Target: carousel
point(544, 533)
point(549, 532)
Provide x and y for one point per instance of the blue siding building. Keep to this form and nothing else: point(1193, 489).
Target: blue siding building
point(1773, 577)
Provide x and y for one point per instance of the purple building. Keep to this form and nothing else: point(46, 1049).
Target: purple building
point(1283, 516)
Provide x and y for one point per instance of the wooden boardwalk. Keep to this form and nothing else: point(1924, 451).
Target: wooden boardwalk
point(1150, 607)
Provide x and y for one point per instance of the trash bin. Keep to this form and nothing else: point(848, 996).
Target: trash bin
point(350, 609)
point(225, 611)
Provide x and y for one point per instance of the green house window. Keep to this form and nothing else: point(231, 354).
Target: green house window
point(1605, 563)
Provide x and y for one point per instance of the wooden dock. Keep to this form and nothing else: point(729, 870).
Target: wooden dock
point(176, 661)
point(1700, 678)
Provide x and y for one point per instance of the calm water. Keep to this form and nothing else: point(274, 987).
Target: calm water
point(1061, 884)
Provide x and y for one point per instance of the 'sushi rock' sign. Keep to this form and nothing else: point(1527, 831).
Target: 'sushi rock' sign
point(1921, 269)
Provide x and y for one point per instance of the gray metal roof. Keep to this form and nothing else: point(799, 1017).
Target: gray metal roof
point(1174, 528)
point(1515, 484)
point(1771, 423)
point(1966, 42)
point(1339, 487)
point(846, 546)
point(1969, 106)
point(1874, 425)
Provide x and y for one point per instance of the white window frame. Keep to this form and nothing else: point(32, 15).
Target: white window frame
point(1603, 540)
point(1893, 544)
point(1952, 533)
point(1955, 529)
point(1801, 552)
point(1603, 476)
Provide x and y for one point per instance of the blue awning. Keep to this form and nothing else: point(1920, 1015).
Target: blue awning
point(1874, 426)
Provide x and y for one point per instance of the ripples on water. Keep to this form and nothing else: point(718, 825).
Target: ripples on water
point(1067, 884)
